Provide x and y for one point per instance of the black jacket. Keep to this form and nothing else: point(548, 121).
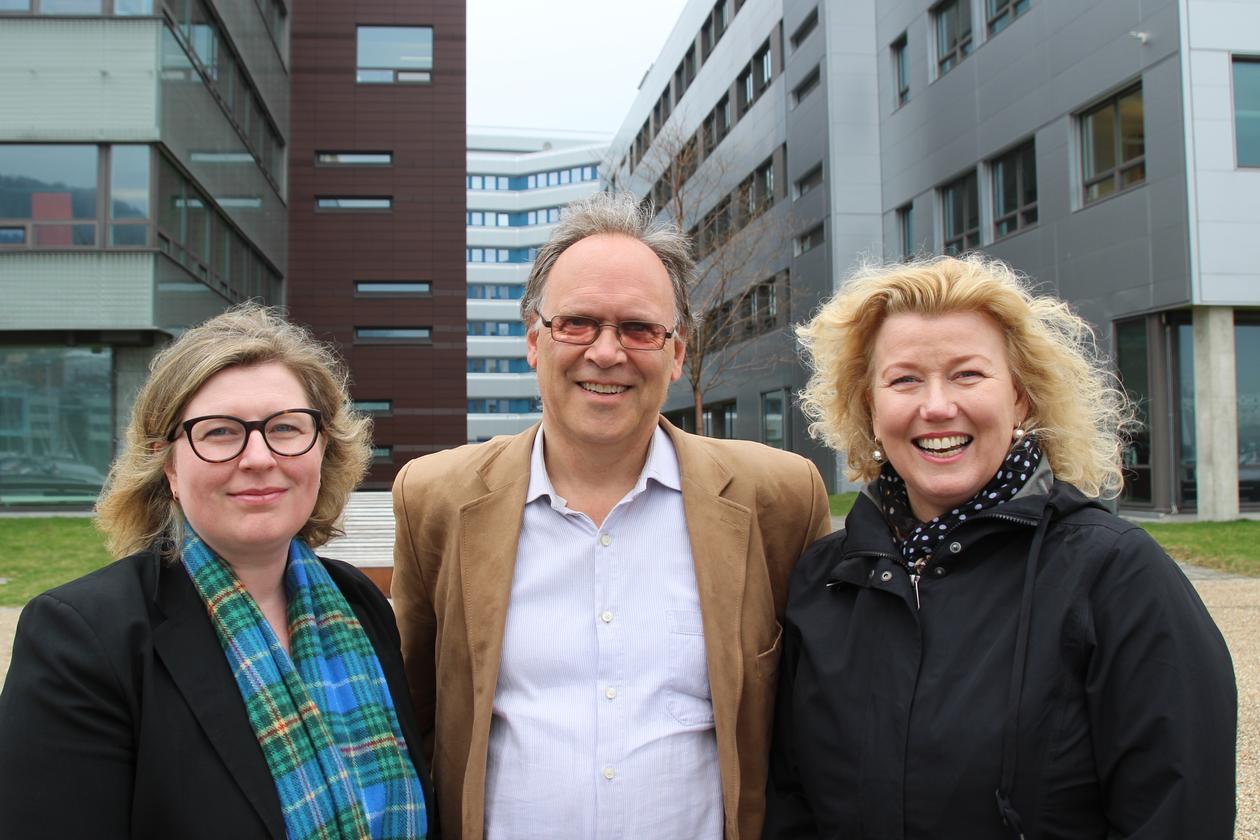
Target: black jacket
point(120, 717)
point(890, 718)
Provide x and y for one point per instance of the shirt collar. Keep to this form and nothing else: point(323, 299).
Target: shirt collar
point(661, 467)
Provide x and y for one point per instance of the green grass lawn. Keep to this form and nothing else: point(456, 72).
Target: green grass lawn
point(39, 553)
point(1227, 546)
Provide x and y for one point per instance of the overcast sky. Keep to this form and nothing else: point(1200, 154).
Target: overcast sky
point(568, 64)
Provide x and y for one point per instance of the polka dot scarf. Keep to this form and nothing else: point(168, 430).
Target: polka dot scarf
point(920, 539)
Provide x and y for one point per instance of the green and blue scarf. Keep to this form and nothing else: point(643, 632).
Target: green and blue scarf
point(322, 712)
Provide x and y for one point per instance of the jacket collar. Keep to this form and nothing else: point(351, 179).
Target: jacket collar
point(186, 645)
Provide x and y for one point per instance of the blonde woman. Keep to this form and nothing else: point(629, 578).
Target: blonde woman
point(984, 651)
point(220, 680)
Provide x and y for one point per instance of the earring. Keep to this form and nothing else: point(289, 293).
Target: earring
point(1018, 434)
point(877, 455)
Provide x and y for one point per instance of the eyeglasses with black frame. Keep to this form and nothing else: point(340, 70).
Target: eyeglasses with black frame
point(217, 438)
point(632, 335)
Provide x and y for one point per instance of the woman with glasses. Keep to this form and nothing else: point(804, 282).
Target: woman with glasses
point(220, 680)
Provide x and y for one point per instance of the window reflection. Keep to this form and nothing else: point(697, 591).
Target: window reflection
point(56, 420)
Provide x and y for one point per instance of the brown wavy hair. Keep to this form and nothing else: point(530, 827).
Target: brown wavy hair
point(1080, 414)
point(136, 509)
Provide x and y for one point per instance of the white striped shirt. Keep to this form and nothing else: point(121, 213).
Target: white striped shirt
point(603, 722)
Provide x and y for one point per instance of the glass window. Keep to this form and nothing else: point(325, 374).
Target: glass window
point(48, 183)
point(395, 54)
point(129, 182)
point(1187, 476)
point(15, 5)
point(808, 25)
point(1247, 110)
point(133, 7)
point(56, 422)
point(70, 7)
point(382, 453)
point(1133, 369)
point(807, 85)
point(1113, 146)
point(374, 406)
point(901, 70)
point(1002, 12)
point(953, 34)
point(1014, 190)
point(392, 287)
point(353, 203)
point(905, 230)
point(960, 205)
point(809, 240)
point(354, 158)
point(811, 179)
point(1247, 373)
point(773, 431)
point(421, 334)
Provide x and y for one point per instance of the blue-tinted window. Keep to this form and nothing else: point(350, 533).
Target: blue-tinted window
point(1247, 110)
point(395, 54)
point(498, 365)
point(495, 291)
point(521, 405)
point(419, 334)
point(496, 328)
point(537, 180)
point(396, 288)
point(501, 255)
point(354, 203)
point(374, 406)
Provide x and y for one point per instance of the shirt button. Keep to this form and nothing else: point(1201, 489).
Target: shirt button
point(610, 693)
point(939, 571)
point(605, 540)
point(605, 616)
point(609, 773)
point(886, 576)
point(955, 547)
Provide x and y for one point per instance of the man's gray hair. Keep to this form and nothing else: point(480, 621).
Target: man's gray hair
point(618, 214)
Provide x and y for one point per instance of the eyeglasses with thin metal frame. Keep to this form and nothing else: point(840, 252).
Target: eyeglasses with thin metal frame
point(290, 433)
point(632, 335)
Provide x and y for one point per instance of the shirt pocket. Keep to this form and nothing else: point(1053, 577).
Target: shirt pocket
point(687, 696)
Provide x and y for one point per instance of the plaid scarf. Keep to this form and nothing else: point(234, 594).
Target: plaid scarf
point(322, 713)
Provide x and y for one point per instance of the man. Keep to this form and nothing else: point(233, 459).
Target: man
point(589, 609)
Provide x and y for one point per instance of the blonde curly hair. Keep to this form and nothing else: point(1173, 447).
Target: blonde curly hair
point(1076, 407)
point(136, 509)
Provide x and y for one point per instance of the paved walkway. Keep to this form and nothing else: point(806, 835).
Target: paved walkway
point(1235, 605)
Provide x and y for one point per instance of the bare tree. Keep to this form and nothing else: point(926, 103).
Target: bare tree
point(737, 232)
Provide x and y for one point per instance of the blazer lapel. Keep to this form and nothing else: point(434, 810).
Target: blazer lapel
point(719, 530)
point(189, 649)
point(490, 528)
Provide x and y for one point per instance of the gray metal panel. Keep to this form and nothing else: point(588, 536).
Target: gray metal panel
point(81, 79)
point(89, 290)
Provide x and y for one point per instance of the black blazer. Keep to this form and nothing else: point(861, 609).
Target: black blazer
point(120, 717)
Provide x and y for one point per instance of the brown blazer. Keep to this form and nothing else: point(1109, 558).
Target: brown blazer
point(751, 511)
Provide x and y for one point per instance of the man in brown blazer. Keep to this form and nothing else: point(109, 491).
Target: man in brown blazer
point(590, 609)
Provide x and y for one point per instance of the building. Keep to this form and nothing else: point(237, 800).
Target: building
point(1116, 162)
point(376, 211)
point(142, 189)
point(1110, 149)
point(757, 126)
point(518, 182)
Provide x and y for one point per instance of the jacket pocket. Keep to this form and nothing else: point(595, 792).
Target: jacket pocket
point(687, 696)
point(768, 659)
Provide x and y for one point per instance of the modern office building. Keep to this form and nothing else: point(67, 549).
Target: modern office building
point(142, 189)
point(376, 211)
point(518, 182)
point(1109, 149)
point(777, 169)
